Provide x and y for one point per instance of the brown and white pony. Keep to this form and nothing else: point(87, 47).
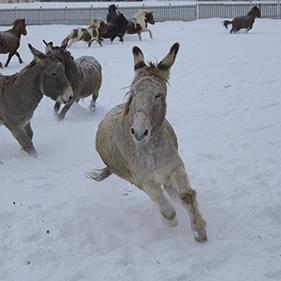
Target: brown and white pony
point(139, 23)
point(89, 34)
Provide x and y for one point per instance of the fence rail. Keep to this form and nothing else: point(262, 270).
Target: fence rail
point(83, 16)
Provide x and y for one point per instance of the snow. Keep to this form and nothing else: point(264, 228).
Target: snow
point(224, 102)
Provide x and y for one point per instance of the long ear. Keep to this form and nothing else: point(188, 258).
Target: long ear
point(49, 46)
point(138, 58)
point(38, 56)
point(166, 63)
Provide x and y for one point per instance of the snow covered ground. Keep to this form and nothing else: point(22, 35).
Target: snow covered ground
point(225, 104)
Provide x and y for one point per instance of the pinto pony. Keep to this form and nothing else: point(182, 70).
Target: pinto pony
point(137, 143)
point(89, 34)
point(139, 23)
point(244, 21)
point(10, 40)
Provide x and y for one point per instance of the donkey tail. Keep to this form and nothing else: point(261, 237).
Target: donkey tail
point(99, 174)
point(226, 23)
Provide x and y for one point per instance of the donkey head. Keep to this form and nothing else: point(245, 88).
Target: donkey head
point(53, 81)
point(147, 103)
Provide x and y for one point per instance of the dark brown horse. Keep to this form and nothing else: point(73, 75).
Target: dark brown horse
point(244, 21)
point(10, 40)
point(139, 23)
point(115, 29)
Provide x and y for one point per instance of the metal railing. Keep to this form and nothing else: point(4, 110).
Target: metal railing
point(83, 16)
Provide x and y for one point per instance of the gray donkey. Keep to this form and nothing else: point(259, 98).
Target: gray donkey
point(84, 74)
point(21, 93)
point(138, 144)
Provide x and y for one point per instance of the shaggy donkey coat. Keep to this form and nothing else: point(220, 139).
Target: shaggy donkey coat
point(21, 93)
point(138, 144)
point(83, 73)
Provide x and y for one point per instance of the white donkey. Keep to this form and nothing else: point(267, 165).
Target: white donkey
point(138, 144)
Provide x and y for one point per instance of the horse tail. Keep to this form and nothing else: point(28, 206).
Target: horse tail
point(99, 174)
point(65, 41)
point(68, 37)
point(226, 23)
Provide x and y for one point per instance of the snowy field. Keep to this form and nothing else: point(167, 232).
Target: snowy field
point(224, 102)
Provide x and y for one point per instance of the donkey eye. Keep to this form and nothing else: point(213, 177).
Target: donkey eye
point(157, 96)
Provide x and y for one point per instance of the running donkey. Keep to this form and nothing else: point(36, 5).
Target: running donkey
point(138, 144)
point(21, 93)
point(83, 73)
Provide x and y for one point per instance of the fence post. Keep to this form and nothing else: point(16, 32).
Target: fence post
point(278, 10)
point(16, 13)
point(197, 11)
point(40, 15)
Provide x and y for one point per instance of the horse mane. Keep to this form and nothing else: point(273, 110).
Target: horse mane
point(141, 13)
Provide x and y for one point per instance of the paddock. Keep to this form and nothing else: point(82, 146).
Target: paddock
point(224, 102)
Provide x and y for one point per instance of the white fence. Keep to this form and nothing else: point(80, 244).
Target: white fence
point(171, 12)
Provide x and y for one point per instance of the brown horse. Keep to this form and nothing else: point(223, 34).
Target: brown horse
point(139, 23)
point(10, 40)
point(244, 21)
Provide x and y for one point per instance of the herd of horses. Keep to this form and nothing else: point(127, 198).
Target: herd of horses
point(135, 140)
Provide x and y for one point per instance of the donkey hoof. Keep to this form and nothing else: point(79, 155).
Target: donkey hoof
point(200, 235)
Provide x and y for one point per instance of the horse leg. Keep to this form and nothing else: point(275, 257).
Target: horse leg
point(23, 139)
point(121, 38)
point(139, 35)
point(18, 55)
point(28, 130)
point(57, 108)
point(156, 194)
point(9, 58)
point(187, 195)
point(147, 30)
point(64, 110)
point(1, 66)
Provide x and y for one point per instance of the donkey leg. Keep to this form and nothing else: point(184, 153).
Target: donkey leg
point(187, 195)
point(9, 58)
point(24, 140)
point(29, 130)
point(57, 108)
point(64, 110)
point(92, 106)
point(18, 55)
point(156, 194)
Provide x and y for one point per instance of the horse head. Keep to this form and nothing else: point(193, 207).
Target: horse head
point(255, 11)
point(20, 26)
point(149, 18)
point(147, 102)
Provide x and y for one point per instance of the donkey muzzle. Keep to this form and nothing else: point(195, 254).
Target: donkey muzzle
point(140, 130)
point(67, 96)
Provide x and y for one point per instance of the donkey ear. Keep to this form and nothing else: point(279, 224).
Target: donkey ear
point(138, 58)
point(37, 54)
point(49, 46)
point(166, 63)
